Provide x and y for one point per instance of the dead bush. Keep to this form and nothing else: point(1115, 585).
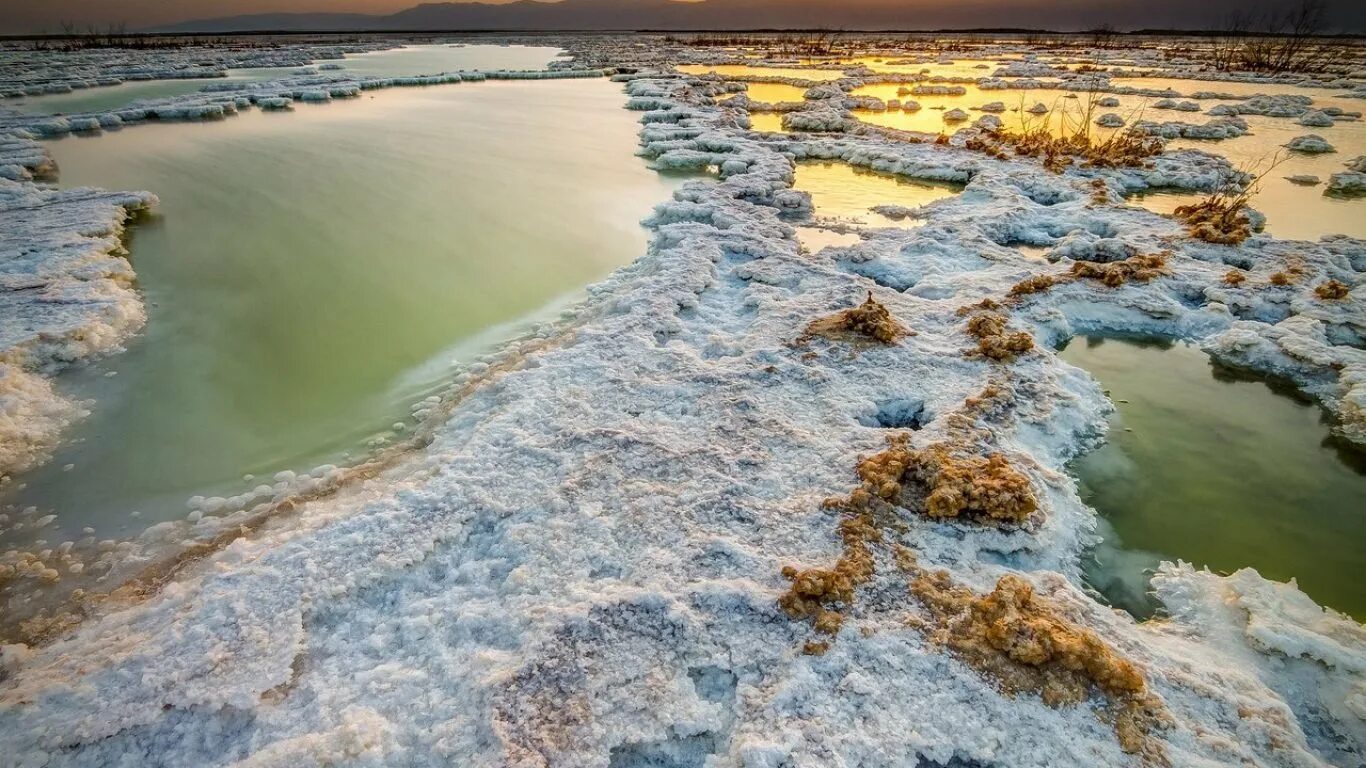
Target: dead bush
point(1123, 149)
point(1034, 284)
point(1025, 644)
point(870, 320)
point(1331, 290)
point(1140, 268)
point(952, 483)
point(994, 342)
point(1218, 219)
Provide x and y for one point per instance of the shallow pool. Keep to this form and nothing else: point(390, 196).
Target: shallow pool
point(767, 122)
point(743, 70)
point(1218, 468)
point(308, 276)
point(1293, 210)
point(774, 93)
point(844, 192)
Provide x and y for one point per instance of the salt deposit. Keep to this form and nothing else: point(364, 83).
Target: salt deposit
point(592, 560)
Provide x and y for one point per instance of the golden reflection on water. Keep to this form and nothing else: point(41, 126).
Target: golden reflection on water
point(816, 238)
point(767, 122)
point(959, 67)
point(1293, 211)
point(843, 192)
point(731, 70)
point(775, 92)
point(1065, 115)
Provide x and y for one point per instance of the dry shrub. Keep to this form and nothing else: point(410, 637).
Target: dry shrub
point(1124, 149)
point(1220, 218)
point(950, 484)
point(955, 484)
point(1234, 277)
point(1023, 641)
point(816, 648)
point(1140, 268)
point(988, 305)
point(1331, 290)
point(1280, 278)
point(869, 319)
point(814, 588)
point(1100, 194)
point(992, 398)
point(993, 340)
point(986, 144)
point(1034, 284)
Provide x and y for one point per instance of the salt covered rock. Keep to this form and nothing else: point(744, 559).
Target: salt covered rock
point(1309, 144)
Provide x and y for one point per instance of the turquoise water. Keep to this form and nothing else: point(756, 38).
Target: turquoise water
point(308, 276)
point(407, 61)
point(1221, 469)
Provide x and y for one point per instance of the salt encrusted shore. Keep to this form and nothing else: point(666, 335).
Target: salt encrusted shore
point(66, 293)
point(584, 567)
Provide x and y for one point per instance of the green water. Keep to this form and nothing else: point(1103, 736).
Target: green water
point(308, 276)
point(1221, 469)
point(397, 62)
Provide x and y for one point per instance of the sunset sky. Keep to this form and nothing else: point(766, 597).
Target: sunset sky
point(33, 16)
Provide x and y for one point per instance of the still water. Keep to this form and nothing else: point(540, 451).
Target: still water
point(397, 62)
point(308, 276)
point(1294, 211)
point(774, 93)
point(1218, 468)
point(732, 70)
point(842, 191)
point(843, 194)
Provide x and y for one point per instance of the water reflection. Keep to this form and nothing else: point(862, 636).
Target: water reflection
point(301, 268)
point(732, 70)
point(1220, 468)
point(815, 239)
point(767, 122)
point(774, 93)
point(844, 192)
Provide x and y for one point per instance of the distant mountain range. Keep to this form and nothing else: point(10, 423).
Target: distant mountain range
point(613, 15)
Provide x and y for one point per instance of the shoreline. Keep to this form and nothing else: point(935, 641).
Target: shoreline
point(585, 562)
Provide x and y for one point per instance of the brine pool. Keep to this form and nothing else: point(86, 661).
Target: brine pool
point(309, 276)
point(408, 60)
point(1221, 469)
point(1294, 210)
point(843, 194)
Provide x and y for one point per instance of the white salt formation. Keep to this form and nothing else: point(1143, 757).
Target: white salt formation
point(65, 294)
point(752, 506)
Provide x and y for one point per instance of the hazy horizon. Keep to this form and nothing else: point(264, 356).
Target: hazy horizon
point(51, 16)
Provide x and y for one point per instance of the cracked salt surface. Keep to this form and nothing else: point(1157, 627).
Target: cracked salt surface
point(583, 566)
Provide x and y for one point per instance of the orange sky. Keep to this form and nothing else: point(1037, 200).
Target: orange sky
point(36, 16)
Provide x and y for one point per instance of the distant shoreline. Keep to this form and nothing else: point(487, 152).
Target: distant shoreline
point(1009, 31)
